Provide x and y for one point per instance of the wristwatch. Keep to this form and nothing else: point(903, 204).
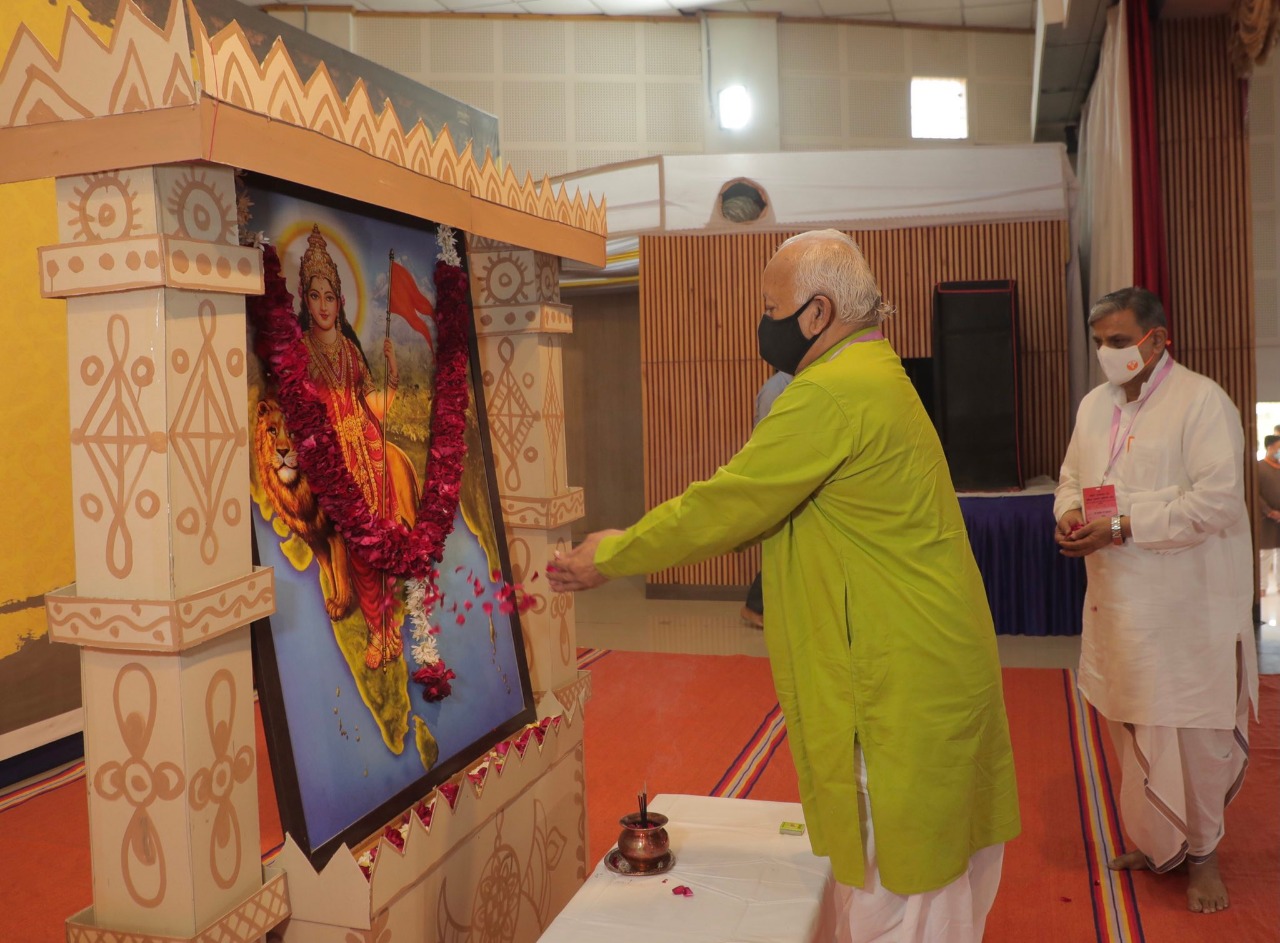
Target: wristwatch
point(1117, 535)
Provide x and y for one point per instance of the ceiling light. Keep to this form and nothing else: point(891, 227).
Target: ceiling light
point(735, 108)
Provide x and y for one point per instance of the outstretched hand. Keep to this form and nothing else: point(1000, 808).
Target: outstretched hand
point(576, 570)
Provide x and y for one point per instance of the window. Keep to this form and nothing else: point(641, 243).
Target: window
point(939, 109)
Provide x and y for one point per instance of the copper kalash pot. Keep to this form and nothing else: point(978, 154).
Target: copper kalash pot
point(644, 842)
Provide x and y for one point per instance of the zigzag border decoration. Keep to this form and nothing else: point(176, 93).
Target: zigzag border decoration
point(397, 868)
point(144, 68)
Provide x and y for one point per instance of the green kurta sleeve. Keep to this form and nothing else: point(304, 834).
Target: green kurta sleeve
point(801, 443)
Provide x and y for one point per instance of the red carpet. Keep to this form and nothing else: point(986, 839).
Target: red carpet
point(702, 719)
point(709, 725)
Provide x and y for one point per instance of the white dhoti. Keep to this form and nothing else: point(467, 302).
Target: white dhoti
point(1176, 783)
point(954, 913)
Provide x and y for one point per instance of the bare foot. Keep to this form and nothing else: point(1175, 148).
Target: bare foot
point(752, 618)
point(1129, 861)
point(392, 644)
point(1206, 894)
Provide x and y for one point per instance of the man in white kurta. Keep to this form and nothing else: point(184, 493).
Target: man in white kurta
point(1168, 653)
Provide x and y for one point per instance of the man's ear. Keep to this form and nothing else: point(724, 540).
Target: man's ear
point(825, 309)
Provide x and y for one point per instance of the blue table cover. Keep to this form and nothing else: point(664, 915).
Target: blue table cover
point(1031, 587)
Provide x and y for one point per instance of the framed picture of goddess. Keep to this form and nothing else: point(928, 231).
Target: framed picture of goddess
point(395, 655)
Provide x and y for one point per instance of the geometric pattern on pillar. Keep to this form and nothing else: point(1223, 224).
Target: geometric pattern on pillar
point(155, 282)
point(520, 324)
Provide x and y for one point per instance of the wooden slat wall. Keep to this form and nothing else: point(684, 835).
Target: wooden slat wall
point(700, 301)
point(1204, 163)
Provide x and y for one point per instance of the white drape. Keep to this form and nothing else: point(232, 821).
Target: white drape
point(1104, 167)
point(1078, 352)
point(860, 189)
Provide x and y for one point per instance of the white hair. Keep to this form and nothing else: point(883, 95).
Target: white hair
point(829, 263)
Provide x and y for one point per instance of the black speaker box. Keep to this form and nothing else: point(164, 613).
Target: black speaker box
point(975, 382)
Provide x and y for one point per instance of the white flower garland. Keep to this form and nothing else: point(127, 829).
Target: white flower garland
point(420, 606)
point(448, 246)
point(424, 650)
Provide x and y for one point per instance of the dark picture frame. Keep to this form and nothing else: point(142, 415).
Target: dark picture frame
point(290, 722)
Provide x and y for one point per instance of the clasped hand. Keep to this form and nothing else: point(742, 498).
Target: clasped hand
point(1078, 539)
point(576, 570)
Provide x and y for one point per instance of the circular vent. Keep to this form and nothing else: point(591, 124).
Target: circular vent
point(742, 202)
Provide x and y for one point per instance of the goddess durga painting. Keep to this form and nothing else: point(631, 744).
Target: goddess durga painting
point(373, 684)
point(357, 410)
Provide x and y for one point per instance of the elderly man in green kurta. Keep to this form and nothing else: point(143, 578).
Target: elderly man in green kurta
point(878, 631)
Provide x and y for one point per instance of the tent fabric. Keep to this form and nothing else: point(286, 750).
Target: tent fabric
point(862, 189)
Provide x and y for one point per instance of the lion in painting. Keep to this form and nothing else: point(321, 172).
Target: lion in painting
point(295, 504)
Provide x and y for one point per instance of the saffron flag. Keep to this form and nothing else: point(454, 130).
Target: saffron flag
point(407, 300)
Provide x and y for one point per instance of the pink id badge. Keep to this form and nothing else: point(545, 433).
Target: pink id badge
point(1100, 502)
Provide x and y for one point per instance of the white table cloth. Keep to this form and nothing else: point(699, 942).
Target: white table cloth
point(750, 884)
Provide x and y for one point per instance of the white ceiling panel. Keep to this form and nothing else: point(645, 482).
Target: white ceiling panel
point(950, 16)
point(559, 7)
point(796, 8)
point(1009, 15)
point(853, 7)
point(636, 7)
point(910, 6)
point(468, 6)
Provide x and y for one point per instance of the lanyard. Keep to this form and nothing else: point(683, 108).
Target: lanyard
point(1118, 442)
point(876, 335)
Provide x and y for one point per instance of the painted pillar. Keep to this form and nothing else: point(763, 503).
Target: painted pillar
point(165, 589)
point(520, 322)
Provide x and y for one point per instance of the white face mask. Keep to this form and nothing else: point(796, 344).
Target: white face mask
point(1123, 364)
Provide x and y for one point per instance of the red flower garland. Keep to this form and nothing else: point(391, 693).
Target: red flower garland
point(435, 681)
point(385, 545)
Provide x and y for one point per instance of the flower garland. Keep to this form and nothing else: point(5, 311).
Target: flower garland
point(386, 545)
point(421, 600)
point(421, 597)
point(411, 554)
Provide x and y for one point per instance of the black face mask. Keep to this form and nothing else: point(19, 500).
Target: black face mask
point(782, 342)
